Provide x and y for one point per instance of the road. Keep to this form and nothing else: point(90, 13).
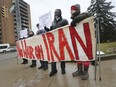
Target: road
point(18, 75)
point(8, 55)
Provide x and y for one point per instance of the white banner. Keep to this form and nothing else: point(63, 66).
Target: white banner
point(63, 44)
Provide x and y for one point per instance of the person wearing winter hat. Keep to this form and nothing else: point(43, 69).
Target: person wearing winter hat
point(57, 22)
point(76, 17)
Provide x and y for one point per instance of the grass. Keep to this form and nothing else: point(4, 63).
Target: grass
point(108, 48)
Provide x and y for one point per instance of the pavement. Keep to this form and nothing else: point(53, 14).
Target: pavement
point(18, 75)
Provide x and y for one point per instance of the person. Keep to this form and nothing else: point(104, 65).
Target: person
point(44, 64)
point(25, 61)
point(57, 22)
point(76, 17)
point(30, 34)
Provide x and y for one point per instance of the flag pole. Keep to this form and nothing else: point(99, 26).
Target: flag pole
point(98, 37)
point(95, 58)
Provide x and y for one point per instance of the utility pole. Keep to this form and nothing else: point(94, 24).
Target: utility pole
point(98, 35)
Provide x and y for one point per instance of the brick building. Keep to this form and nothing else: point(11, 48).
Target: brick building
point(14, 16)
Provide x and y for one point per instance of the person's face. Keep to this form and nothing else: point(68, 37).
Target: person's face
point(57, 13)
point(74, 13)
point(30, 34)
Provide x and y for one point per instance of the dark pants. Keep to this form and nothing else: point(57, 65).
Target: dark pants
point(33, 62)
point(44, 63)
point(53, 66)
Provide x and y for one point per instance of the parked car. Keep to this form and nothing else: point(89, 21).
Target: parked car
point(4, 47)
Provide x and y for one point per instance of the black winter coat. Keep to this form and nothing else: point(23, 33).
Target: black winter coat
point(79, 18)
point(57, 23)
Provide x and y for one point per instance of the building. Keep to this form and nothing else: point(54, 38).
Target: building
point(15, 16)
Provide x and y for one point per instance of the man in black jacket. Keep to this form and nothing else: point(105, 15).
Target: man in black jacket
point(57, 22)
point(44, 64)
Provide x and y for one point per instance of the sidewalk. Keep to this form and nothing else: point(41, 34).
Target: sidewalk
point(13, 75)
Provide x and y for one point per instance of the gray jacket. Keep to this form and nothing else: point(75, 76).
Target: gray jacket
point(40, 32)
point(59, 23)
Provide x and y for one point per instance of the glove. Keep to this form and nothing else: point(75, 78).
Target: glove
point(51, 28)
point(47, 29)
point(73, 23)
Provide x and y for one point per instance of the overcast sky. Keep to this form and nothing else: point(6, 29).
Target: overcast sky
point(40, 7)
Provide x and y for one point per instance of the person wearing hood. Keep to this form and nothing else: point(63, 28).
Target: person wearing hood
point(77, 16)
point(57, 22)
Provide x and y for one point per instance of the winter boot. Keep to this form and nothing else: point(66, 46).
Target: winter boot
point(25, 61)
point(53, 69)
point(52, 73)
point(78, 72)
point(45, 63)
point(85, 75)
point(33, 64)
